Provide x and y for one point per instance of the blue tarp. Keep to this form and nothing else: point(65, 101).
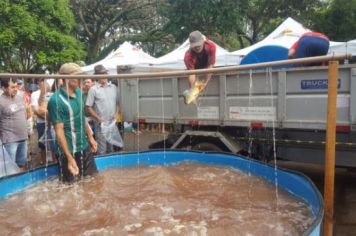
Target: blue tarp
point(266, 54)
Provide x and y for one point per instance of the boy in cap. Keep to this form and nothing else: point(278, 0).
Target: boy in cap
point(200, 55)
point(74, 137)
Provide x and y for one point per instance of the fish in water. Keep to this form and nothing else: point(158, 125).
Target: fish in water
point(191, 95)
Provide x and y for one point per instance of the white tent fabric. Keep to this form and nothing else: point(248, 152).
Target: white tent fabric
point(287, 33)
point(348, 47)
point(126, 54)
point(175, 59)
point(284, 35)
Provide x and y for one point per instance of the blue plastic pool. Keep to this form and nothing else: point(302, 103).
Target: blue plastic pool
point(295, 183)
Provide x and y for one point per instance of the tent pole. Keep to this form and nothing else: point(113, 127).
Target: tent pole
point(329, 174)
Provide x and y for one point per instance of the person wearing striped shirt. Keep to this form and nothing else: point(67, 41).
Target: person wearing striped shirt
point(67, 113)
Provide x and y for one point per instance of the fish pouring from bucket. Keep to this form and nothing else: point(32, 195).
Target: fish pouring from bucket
point(191, 95)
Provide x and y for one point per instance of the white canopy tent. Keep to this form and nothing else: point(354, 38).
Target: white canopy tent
point(175, 59)
point(125, 55)
point(284, 35)
point(287, 33)
point(343, 47)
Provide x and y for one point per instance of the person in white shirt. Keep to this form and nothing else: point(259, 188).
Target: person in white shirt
point(41, 113)
point(102, 104)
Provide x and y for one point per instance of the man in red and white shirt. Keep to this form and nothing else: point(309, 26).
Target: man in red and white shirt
point(200, 55)
point(310, 44)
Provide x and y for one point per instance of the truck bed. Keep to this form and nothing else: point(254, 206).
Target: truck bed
point(286, 98)
point(255, 109)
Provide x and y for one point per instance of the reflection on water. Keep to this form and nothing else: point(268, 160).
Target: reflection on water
point(186, 199)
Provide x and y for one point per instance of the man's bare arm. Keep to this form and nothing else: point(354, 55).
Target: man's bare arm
point(93, 144)
point(93, 114)
point(72, 165)
point(291, 53)
point(192, 79)
point(59, 129)
point(208, 76)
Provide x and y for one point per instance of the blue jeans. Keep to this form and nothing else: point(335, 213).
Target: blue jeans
point(17, 151)
point(40, 131)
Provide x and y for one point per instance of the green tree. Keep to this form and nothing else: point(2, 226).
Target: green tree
point(104, 24)
point(233, 23)
point(262, 16)
point(337, 20)
point(220, 20)
point(35, 35)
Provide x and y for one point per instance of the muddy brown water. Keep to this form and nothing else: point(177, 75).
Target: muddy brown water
point(185, 199)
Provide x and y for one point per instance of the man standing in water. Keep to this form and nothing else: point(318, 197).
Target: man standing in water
point(200, 55)
point(66, 110)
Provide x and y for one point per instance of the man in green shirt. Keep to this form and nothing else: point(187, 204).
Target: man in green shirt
point(67, 113)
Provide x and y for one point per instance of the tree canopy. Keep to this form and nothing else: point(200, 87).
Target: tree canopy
point(36, 35)
point(39, 35)
point(104, 24)
point(337, 20)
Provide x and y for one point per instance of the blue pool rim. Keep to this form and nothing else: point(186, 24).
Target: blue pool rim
point(294, 182)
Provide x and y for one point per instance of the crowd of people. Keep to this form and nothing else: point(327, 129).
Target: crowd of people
point(68, 114)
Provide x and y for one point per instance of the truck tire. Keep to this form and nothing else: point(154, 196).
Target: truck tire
point(207, 147)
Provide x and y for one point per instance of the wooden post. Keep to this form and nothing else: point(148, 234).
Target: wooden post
point(329, 179)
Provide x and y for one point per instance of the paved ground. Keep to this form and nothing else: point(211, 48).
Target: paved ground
point(345, 194)
point(132, 142)
point(345, 190)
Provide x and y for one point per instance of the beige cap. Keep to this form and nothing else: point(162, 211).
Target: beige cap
point(70, 69)
point(196, 39)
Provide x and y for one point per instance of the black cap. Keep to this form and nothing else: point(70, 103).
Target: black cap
point(100, 70)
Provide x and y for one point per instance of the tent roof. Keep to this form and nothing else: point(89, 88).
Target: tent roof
point(126, 54)
point(178, 53)
point(175, 58)
point(348, 47)
point(285, 35)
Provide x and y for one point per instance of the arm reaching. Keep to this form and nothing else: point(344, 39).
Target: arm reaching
point(93, 144)
point(291, 53)
point(72, 164)
point(207, 76)
point(94, 115)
